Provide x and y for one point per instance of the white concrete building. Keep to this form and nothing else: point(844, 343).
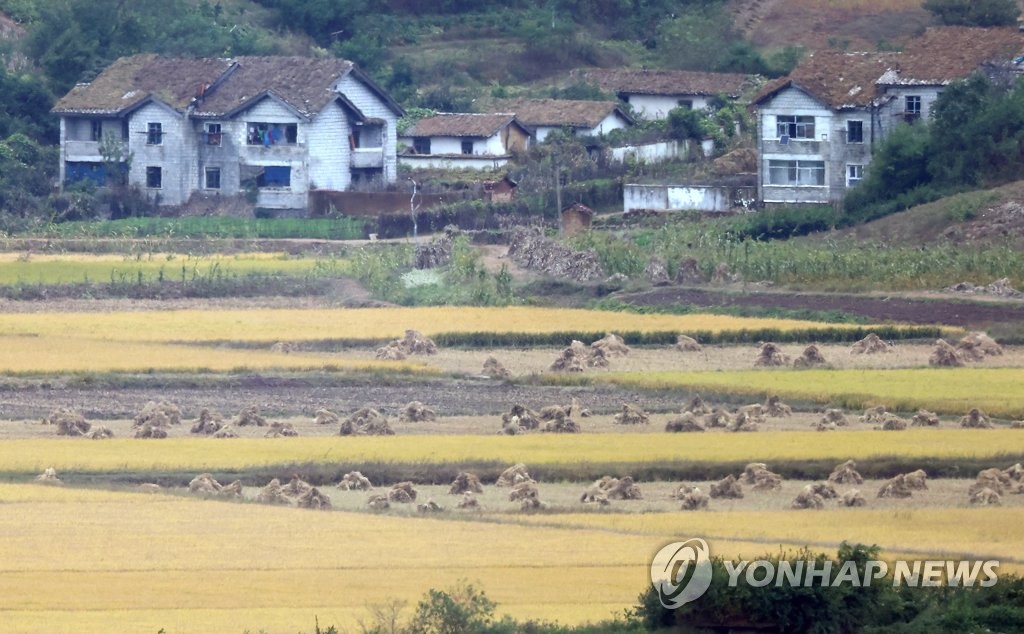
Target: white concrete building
point(653, 93)
point(278, 126)
point(463, 140)
point(582, 118)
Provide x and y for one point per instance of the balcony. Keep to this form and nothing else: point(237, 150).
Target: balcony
point(81, 150)
point(368, 157)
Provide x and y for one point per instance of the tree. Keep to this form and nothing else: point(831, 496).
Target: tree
point(974, 12)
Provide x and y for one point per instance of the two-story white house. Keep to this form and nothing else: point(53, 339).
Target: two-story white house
point(817, 127)
point(463, 140)
point(654, 93)
point(275, 126)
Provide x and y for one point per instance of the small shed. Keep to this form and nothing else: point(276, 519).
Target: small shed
point(502, 191)
point(576, 219)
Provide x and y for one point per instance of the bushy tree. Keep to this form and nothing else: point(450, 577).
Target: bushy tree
point(974, 12)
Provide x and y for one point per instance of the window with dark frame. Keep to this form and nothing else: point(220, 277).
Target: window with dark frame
point(685, 103)
point(96, 131)
point(154, 177)
point(854, 131)
point(421, 145)
point(912, 106)
point(270, 134)
point(213, 134)
point(795, 126)
point(154, 134)
point(212, 178)
point(854, 174)
point(467, 147)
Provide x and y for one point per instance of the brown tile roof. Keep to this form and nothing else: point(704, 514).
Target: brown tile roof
point(665, 82)
point(560, 112)
point(840, 80)
point(305, 84)
point(946, 54)
point(460, 125)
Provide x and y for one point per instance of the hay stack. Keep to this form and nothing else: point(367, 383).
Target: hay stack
point(402, 493)
point(204, 484)
point(354, 481)
point(718, 417)
point(853, 497)
point(149, 487)
point(924, 418)
point(977, 345)
point(685, 422)
point(466, 483)
point(562, 425)
point(494, 369)
point(762, 479)
point(744, 422)
point(250, 416)
point(1015, 473)
point(770, 355)
point(516, 474)
point(834, 417)
point(727, 487)
point(975, 419)
point(916, 480)
point(325, 417)
point(366, 422)
point(468, 501)
point(895, 488)
point(69, 422)
point(892, 422)
point(151, 431)
point(874, 415)
point(524, 491)
point(824, 489)
point(846, 473)
point(619, 489)
point(162, 414)
point(946, 355)
point(281, 430)
point(413, 343)
point(572, 359)
point(687, 344)
point(532, 504)
point(296, 487)
point(522, 417)
point(811, 357)
point(272, 494)
point(612, 345)
point(691, 498)
point(775, 408)
point(206, 424)
point(594, 495)
point(576, 408)
point(823, 426)
point(631, 415)
point(49, 476)
point(872, 344)
point(552, 412)
point(997, 481)
point(808, 499)
point(314, 499)
point(416, 412)
point(101, 432)
point(429, 507)
point(985, 497)
point(227, 431)
point(378, 502)
point(697, 406)
point(656, 272)
point(389, 352)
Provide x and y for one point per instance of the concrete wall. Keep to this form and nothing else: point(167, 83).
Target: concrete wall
point(454, 161)
point(652, 107)
point(170, 155)
point(329, 149)
point(369, 204)
point(711, 198)
point(371, 105)
point(651, 152)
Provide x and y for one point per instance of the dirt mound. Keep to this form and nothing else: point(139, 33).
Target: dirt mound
point(691, 498)
point(834, 417)
point(612, 345)
point(656, 272)
point(468, 501)
point(807, 499)
point(760, 477)
point(281, 430)
point(687, 344)
point(532, 250)
point(207, 423)
point(524, 491)
point(985, 497)
point(924, 418)
point(49, 476)
point(998, 288)
point(402, 493)
point(872, 344)
point(272, 494)
point(769, 355)
point(378, 502)
point(429, 506)
point(314, 499)
point(846, 473)
point(946, 355)
point(775, 408)
point(416, 412)
point(494, 369)
point(853, 497)
point(150, 430)
point(727, 487)
point(697, 406)
point(977, 345)
point(227, 431)
point(685, 422)
point(718, 417)
point(466, 483)
point(366, 421)
point(516, 474)
point(631, 415)
point(739, 161)
point(162, 414)
point(975, 419)
point(101, 432)
point(354, 481)
point(809, 358)
point(325, 417)
point(69, 422)
point(413, 343)
point(250, 416)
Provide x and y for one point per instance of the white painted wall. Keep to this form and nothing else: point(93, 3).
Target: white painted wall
point(683, 197)
point(371, 105)
point(650, 152)
point(170, 155)
point(425, 161)
point(653, 107)
point(329, 152)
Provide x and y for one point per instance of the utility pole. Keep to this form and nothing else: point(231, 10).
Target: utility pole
point(412, 212)
point(558, 189)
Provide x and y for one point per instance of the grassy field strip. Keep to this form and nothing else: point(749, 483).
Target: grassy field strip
point(997, 391)
point(135, 562)
point(362, 323)
point(30, 456)
point(15, 268)
point(62, 354)
point(989, 532)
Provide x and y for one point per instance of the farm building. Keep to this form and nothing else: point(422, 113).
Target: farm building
point(582, 118)
point(276, 126)
point(817, 127)
point(653, 93)
point(463, 140)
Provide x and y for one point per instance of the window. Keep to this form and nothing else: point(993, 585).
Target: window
point(854, 131)
point(154, 134)
point(96, 131)
point(421, 145)
point(467, 147)
point(268, 134)
point(795, 126)
point(685, 103)
point(912, 105)
point(124, 129)
point(154, 177)
point(854, 173)
point(213, 134)
point(796, 173)
point(212, 178)
point(275, 176)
